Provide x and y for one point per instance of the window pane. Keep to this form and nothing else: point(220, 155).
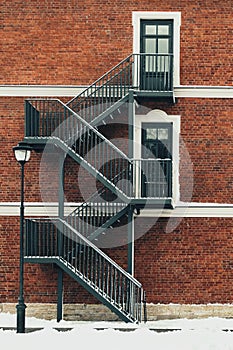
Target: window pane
point(150, 45)
point(150, 60)
point(163, 30)
point(163, 46)
point(151, 134)
point(150, 30)
point(163, 134)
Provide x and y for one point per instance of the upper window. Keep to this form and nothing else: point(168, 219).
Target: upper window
point(156, 47)
point(158, 33)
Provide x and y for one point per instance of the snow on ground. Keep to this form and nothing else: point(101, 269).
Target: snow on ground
point(196, 334)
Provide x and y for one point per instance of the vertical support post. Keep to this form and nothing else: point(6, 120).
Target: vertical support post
point(59, 294)
point(130, 141)
point(130, 211)
point(131, 123)
point(130, 268)
point(144, 307)
point(61, 216)
point(61, 186)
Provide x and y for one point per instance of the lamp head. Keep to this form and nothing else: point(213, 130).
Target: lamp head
point(22, 153)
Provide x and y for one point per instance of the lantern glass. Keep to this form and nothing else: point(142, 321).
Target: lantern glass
point(22, 153)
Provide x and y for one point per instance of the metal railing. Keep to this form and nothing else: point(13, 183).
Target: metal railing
point(147, 72)
point(153, 178)
point(94, 215)
point(45, 118)
point(153, 72)
point(104, 92)
point(58, 240)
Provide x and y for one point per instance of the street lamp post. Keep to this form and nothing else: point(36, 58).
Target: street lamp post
point(22, 154)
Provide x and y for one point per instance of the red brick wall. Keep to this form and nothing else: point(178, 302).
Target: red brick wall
point(192, 264)
point(73, 42)
point(12, 131)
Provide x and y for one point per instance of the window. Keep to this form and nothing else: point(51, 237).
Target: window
point(156, 45)
point(156, 147)
point(158, 33)
point(156, 160)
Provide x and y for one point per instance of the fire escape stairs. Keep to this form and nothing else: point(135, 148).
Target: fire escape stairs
point(56, 241)
point(73, 128)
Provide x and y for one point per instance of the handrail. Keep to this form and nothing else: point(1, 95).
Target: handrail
point(101, 78)
point(140, 71)
point(153, 54)
point(153, 177)
point(97, 100)
point(53, 221)
point(96, 212)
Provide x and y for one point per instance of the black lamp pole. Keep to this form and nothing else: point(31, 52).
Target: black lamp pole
point(21, 306)
point(22, 154)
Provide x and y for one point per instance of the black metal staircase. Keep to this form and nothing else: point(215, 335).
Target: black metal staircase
point(56, 241)
point(73, 127)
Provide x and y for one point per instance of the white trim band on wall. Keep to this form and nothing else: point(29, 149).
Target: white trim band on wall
point(191, 91)
point(182, 210)
point(204, 91)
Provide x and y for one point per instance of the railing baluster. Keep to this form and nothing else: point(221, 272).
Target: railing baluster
point(87, 261)
point(103, 276)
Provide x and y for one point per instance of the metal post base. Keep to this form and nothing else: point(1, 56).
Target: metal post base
point(21, 317)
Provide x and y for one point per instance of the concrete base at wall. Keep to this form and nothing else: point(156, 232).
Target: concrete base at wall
point(93, 312)
point(173, 311)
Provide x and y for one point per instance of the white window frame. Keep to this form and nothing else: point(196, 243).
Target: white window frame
point(159, 116)
point(176, 17)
